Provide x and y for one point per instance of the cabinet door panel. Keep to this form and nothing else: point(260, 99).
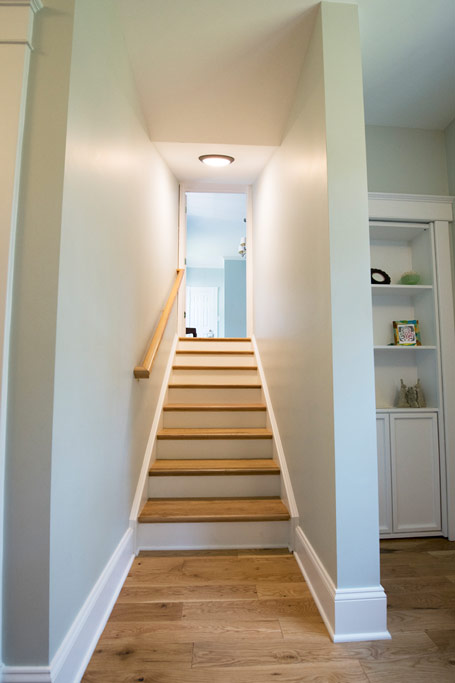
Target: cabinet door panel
point(415, 473)
point(384, 476)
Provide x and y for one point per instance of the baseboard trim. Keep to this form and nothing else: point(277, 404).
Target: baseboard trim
point(26, 674)
point(350, 614)
point(73, 655)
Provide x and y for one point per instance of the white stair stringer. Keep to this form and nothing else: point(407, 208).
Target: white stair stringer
point(214, 385)
point(287, 494)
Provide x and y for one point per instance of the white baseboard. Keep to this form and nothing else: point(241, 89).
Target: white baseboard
point(350, 614)
point(287, 492)
point(142, 485)
point(26, 674)
point(74, 653)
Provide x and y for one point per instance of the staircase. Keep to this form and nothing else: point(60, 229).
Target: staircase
point(214, 483)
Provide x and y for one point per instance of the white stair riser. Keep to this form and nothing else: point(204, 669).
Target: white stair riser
point(199, 360)
point(194, 535)
point(210, 418)
point(203, 376)
point(214, 395)
point(214, 346)
point(215, 486)
point(195, 449)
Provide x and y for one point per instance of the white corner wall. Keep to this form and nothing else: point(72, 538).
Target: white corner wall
point(16, 34)
point(449, 137)
point(32, 341)
point(118, 261)
point(292, 316)
point(311, 294)
point(96, 256)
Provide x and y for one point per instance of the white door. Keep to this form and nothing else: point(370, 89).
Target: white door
point(416, 487)
point(202, 310)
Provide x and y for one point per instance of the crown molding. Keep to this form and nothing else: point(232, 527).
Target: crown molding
point(410, 207)
point(16, 24)
point(35, 5)
point(433, 198)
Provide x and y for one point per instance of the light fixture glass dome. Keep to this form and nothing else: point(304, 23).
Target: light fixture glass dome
point(216, 160)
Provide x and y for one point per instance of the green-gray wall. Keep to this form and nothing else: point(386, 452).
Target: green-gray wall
point(450, 152)
point(406, 160)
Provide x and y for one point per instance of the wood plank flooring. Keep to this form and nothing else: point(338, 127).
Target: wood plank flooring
point(248, 617)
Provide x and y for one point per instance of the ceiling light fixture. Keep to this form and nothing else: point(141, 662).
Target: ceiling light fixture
point(216, 159)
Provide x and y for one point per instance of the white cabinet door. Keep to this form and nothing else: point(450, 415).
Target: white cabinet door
point(416, 490)
point(384, 476)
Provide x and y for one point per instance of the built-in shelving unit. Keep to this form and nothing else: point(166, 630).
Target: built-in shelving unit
point(395, 249)
point(416, 446)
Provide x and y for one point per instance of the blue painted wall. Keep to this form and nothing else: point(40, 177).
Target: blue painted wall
point(234, 298)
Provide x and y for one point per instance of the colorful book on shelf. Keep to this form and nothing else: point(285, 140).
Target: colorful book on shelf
point(406, 333)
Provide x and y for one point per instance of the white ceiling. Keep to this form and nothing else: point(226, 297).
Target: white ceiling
point(183, 159)
point(224, 72)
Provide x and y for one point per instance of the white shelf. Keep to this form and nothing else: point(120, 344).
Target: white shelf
point(407, 410)
point(396, 233)
point(397, 290)
point(394, 347)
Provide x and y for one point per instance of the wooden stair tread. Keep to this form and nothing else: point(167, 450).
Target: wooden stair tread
point(161, 468)
point(214, 510)
point(213, 385)
point(215, 339)
point(215, 352)
point(215, 433)
point(214, 367)
point(214, 407)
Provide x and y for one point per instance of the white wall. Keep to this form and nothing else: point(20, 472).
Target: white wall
point(292, 316)
point(117, 264)
point(311, 294)
point(406, 160)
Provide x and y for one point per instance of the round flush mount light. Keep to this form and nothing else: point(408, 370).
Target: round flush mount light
point(216, 160)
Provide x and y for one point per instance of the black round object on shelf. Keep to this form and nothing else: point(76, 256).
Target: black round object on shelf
point(379, 277)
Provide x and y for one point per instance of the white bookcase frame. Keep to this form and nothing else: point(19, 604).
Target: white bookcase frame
point(437, 212)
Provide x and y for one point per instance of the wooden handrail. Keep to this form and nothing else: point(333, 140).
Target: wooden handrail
point(143, 371)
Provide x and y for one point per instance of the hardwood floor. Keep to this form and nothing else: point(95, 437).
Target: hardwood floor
point(248, 617)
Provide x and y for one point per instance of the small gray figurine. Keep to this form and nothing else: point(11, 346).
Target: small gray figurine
point(420, 396)
point(411, 395)
point(402, 396)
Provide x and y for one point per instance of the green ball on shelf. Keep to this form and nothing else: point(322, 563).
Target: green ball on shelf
point(410, 278)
